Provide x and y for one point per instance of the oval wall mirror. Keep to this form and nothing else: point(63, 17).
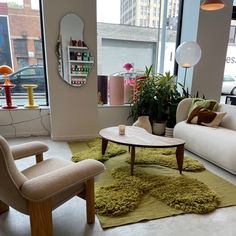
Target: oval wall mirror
point(74, 58)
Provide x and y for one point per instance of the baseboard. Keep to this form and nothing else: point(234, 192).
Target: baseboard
point(74, 137)
point(25, 134)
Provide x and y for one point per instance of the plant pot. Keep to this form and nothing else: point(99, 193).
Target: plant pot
point(159, 128)
point(143, 122)
point(169, 132)
point(116, 90)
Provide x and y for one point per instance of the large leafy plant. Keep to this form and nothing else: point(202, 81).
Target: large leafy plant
point(166, 93)
point(153, 96)
point(142, 101)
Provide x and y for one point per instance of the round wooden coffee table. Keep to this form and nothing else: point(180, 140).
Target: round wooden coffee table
point(138, 137)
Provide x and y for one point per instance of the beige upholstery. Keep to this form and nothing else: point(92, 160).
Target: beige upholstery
point(29, 149)
point(39, 189)
point(217, 145)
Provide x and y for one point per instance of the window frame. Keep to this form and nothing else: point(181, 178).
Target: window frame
point(43, 50)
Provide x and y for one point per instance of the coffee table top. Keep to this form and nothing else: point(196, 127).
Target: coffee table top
point(135, 136)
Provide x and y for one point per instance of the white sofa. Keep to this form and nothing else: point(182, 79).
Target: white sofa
point(217, 145)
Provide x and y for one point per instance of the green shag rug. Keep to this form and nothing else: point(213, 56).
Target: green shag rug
point(147, 156)
point(183, 193)
point(95, 151)
point(154, 191)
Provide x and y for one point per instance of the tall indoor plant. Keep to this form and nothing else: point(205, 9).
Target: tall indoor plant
point(166, 90)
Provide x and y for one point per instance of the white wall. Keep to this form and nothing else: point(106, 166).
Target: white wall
point(73, 109)
point(22, 122)
point(113, 116)
point(210, 29)
point(213, 37)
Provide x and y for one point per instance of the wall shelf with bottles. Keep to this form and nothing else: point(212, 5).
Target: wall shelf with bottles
point(80, 63)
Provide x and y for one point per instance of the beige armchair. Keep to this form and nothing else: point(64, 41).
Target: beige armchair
point(41, 188)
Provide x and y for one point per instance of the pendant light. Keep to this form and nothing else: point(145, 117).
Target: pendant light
point(212, 5)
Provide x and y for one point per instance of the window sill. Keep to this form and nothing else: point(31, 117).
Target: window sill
point(114, 106)
point(28, 109)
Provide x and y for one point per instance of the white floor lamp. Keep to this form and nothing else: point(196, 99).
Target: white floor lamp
point(188, 55)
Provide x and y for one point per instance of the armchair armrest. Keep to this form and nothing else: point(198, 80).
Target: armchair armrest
point(28, 149)
point(45, 186)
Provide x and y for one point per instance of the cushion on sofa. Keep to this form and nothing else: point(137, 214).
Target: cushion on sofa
point(202, 116)
point(211, 105)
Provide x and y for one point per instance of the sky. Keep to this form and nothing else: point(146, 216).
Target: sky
point(108, 11)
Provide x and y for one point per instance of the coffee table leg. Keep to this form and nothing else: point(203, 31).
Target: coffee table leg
point(132, 159)
point(180, 157)
point(104, 145)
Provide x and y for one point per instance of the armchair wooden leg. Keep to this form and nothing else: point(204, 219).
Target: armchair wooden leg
point(3, 207)
point(41, 218)
point(39, 157)
point(90, 201)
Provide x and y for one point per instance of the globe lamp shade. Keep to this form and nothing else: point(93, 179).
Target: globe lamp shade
point(188, 54)
point(212, 5)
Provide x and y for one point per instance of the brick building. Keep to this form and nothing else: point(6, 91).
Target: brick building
point(24, 32)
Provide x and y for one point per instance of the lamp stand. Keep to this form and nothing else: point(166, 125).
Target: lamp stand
point(185, 74)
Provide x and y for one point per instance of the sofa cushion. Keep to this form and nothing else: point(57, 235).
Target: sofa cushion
point(229, 121)
point(208, 104)
point(202, 116)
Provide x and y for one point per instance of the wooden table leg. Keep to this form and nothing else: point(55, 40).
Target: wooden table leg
point(132, 159)
point(180, 157)
point(104, 145)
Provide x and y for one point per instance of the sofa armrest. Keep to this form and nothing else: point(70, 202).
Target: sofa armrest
point(182, 109)
point(48, 185)
point(28, 149)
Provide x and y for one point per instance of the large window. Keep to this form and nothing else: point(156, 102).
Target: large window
point(229, 80)
point(144, 38)
point(21, 48)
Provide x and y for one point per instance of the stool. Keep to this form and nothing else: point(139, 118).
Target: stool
point(30, 88)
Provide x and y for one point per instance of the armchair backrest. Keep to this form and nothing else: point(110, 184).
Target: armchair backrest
point(11, 179)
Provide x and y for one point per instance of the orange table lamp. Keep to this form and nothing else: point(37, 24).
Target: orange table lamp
point(6, 70)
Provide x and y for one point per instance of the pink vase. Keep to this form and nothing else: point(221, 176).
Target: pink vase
point(116, 90)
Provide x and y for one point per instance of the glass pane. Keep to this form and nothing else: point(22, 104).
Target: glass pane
point(229, 80)
point(131, 31)
point(21, 48)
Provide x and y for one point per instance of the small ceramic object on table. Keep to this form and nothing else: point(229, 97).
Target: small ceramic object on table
point(122, 129)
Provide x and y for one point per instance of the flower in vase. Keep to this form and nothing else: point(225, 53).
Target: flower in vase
point(128, 66)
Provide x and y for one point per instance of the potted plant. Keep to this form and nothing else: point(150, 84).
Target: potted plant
point(142, 102)
point(156, 96)
point(166, 91)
